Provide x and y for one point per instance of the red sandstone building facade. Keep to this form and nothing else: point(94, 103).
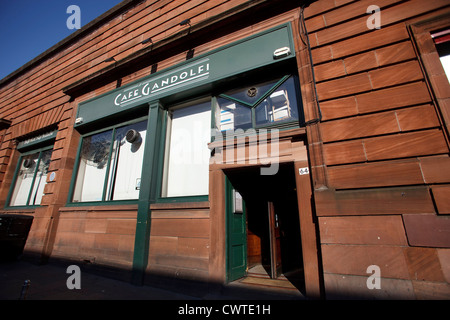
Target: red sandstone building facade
point(197, 140)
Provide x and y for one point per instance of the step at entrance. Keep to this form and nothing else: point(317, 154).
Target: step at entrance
point(259, 276)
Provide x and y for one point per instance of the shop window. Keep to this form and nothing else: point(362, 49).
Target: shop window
point(186, 171)
point(110, 164)
point(265, 104)
point(30, 178)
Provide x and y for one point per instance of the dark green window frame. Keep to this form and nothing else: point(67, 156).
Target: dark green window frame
point(104, 198)
point(32, 190)
point(252, 105)
point(161, 133)
point(282, 125)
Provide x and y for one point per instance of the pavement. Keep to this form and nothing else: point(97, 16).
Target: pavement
point(49, 282)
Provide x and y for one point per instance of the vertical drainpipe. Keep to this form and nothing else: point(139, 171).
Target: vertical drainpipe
point(148, 190)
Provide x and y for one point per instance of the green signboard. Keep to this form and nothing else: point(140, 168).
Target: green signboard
point(266, 48)
point(36, 141)
point(183, 76)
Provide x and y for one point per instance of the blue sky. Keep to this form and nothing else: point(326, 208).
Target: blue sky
point(29, 27)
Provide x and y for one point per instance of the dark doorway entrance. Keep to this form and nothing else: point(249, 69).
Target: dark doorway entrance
point(273, 242)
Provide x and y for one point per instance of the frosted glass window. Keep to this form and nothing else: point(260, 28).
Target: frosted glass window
point(126, 163)
point(187, 154)
point(31, 179)
point(92, 167)
point(110, 164)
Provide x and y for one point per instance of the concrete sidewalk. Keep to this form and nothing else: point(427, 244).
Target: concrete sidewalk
point(48, 282)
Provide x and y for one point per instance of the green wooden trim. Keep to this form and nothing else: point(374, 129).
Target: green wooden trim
point(34, 142)
point(230, 235)
point(34, 178)
point(272, 90)
point(117, 125)
point(147, 191)
point(48, 147)
point(13, 183)
point(183, 199)
point(21, 207)
point(228, 208)
point(74, 174)
point(227, 230)
point(108, 166)
point(261, 99)
point(16, 173)
point(161, 157)
point(253, 117)
point(281, 126)
point(70, 201)
point(214, 108)
point(193, 77)
point(101, 203)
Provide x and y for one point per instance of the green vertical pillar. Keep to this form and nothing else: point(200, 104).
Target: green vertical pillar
point(148, 190)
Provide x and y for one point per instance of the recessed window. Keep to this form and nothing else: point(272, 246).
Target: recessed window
point(110, 164)
point(442, 42)
point(187, 155)
point(31, 178)
point(265, 104)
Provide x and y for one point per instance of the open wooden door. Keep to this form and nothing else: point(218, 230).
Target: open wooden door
point(275, 242)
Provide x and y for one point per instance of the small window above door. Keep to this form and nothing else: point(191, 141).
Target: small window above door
point(258, 105)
